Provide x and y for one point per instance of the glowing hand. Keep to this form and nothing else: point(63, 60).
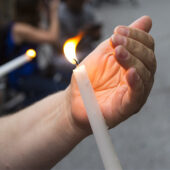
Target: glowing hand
point(121, 70)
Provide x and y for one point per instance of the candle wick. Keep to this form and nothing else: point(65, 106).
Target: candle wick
point(76, 61)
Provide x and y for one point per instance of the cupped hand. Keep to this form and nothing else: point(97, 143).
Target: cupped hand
point(121, 71)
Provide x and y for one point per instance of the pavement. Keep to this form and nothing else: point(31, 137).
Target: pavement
point(143, 141)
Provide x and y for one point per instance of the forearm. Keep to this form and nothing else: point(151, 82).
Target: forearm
point(54, 24)
point(38, 137)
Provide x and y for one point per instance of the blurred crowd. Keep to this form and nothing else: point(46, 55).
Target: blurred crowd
point(43, 25)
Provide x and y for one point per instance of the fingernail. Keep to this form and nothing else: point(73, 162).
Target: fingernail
point(121, 53)
point(123, 31)
point(134, 78)
point(135, 75)
point(118, 40)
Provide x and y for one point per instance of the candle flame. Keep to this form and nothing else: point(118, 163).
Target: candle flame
point(70, 48)
point(31, 54)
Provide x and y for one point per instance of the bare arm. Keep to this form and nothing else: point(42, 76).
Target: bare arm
point(39, 136)
point(27, 33)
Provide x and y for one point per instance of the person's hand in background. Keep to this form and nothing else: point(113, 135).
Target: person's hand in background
point(53, 5)
point(121, 70)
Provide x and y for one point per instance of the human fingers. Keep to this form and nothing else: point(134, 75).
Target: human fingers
point(137, 49)
point(143, 23)
point(127, 60)
point(136, 34)
point(136, 91)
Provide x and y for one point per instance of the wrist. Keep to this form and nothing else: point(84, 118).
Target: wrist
point(75, 126)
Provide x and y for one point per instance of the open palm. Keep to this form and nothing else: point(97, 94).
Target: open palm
point(113, 86)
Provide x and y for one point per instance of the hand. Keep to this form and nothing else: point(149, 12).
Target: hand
point(53, 5)
point(121, 71)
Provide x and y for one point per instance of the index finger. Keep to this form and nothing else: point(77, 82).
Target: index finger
point(136, 34)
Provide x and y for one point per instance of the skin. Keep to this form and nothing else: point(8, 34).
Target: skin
point(121, 83)
point(23, 32)
point(51, 128)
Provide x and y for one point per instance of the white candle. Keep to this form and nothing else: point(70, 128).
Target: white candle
point(96, 119)
point(95, 116)
point(19, 61)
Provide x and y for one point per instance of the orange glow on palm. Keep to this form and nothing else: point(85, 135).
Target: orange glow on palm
point(70, 48)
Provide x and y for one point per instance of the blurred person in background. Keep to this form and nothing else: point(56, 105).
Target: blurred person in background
point(25, 33)
point(76, 16)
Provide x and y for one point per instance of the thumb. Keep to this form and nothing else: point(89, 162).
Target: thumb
point(144, 23)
